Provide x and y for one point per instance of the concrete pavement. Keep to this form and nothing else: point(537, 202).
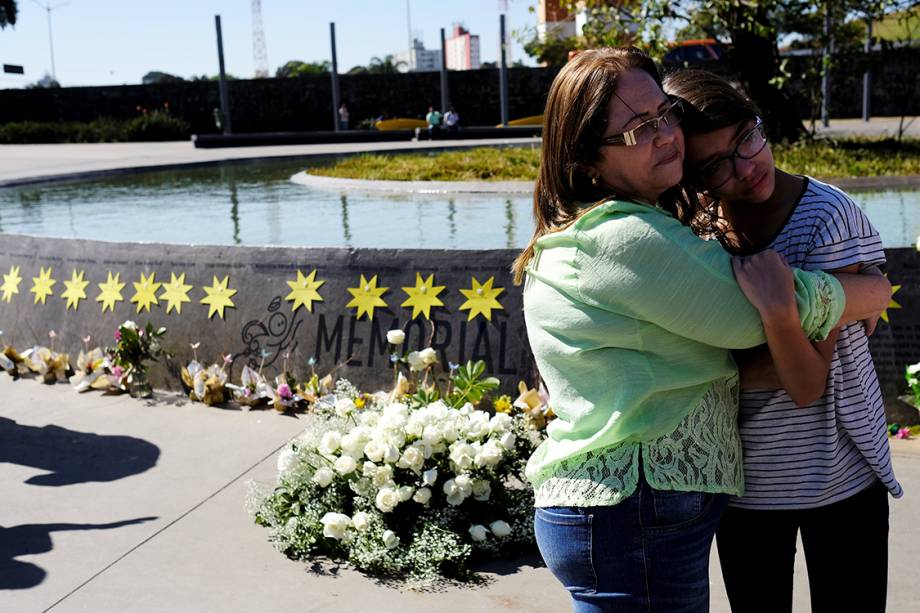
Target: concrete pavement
point(143, 512)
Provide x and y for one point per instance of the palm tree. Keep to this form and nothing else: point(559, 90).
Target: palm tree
point(387, 65)
point(7, 13)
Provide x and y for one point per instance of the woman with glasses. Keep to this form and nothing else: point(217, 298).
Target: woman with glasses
point(812, 422)
point(630, 317)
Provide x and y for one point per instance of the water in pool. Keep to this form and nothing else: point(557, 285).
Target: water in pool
point(257, 204)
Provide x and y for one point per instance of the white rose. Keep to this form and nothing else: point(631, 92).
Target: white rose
point(482, 489)
point(913, 369)
point(360, 521)
point(422, 495)
point(353, 444)
point(431, 435)
point(390, 540)
point(454, 493)
point(323, 477)
point(129, 324)
point(478, 532)
point(405, 492)
point(428, 355)
point(430, 476)
point(396, 337)
point(374, 451)
point(287, 459)
point(361, 487)
point(345, 465)
point(369, 418)
point(508, 440)
point(369, 469)
point(478, 425)
point(500, 422)
point(391, 454)
point(344, 407)
point(500, 528)
point(330, 442)
point(387, 499)
point(465, 483)
point(462, 455)
point(416, 363)
point(413, 459)
point(489, 455)
point(335, 525)
point(383, 475)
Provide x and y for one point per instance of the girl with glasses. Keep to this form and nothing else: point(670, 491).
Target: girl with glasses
point(630, 317)
point(812, 421)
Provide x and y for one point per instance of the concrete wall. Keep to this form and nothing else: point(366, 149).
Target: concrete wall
point(263, 320)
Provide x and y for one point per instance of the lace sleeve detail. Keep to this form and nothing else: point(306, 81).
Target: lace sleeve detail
point(601, 477)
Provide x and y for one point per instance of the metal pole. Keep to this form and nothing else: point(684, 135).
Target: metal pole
point(335, 79)
point(825, 67)
point(503, 72)
point(444, 92)
point(224, 90)
point(51, 45)
point(867, 76)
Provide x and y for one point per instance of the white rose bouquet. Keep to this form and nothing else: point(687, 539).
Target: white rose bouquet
point(403, 488)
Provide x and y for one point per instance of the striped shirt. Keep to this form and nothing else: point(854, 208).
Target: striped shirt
point(797, 458)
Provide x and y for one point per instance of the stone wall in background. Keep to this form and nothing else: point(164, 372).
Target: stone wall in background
point(265, 284)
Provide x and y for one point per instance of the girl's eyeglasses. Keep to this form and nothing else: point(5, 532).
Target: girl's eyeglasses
point(717, 172)
point(645, 131)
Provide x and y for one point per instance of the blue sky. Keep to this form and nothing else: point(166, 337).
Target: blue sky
point(99, 42)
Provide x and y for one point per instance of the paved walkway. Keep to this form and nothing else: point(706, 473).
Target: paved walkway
point(112, 504)
point(877, 126)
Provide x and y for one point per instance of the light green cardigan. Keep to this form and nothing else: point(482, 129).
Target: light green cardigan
point(631, 317)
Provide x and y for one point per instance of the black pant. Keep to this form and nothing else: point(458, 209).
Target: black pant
point(846, 552)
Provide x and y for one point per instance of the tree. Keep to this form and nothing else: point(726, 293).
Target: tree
point(46, 82)
point(750, 30)
point(155, 76)
point(387, 65)
point(296, 68)
point(8, 13)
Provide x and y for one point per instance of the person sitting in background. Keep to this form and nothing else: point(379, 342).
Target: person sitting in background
point(433, 118)
point(452, 120)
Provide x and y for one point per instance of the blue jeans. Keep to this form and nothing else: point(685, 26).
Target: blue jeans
point(650, 552)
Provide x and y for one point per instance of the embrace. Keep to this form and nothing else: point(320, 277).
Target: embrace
point(700, 320)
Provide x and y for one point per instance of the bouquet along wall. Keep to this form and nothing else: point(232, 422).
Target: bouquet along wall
point(416, 483)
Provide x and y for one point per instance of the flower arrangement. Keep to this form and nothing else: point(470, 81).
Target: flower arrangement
point(206, 385)
point(134, 348)
point(415, 485)
point(912, 375)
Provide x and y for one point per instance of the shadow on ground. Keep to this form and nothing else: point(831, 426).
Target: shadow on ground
point(32, 539)
point(74, 457)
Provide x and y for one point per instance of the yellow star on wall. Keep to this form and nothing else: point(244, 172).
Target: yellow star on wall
point(76, 290)
point(218, 297)
point(110, 292)
point(42, 284)
point(423, 296)
point(481, 299)
point(145, 292)
point(175, 292)
point(303, 291)
point(893, 304)
point(366, 297)
point(11, 283)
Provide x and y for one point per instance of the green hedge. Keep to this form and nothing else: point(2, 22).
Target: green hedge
point(155, 126)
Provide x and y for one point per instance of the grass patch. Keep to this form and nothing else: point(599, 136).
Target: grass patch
point(825, 158)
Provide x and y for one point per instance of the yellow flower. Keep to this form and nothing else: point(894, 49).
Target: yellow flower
point(502, 404)
point(359, 402)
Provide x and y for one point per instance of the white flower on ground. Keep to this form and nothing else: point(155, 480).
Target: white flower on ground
point(396, 337)
point(455, 495)
point(369, 469)
point(489, 455)
point(387, 499)
point(345, 465)
point(482, 489)
point(391, 454)
point(383, 475)
point(478, 425)
point(344, 407)
point(508, 440)
point(478, 532)
point(405, 492)
point(335, 525)
point(500, 528)
point(323, 477)
point(432, 435)
point(462, 455)
point(500, 422)
point(390, 540)
point(353, 443)
point(287, 459)
point(360, 521)
point(422, 495)
point(413, 459)
point(430, 476)
point(330, 442)
point(465, 483)
point(374, 451)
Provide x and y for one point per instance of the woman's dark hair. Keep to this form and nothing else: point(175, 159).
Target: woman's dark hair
point(573, 123)
point(710, 103)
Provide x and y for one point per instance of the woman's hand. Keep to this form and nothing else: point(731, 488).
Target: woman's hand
point(767, 282)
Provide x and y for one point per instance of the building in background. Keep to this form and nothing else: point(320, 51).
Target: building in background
point(420, 59)
point(462, 50)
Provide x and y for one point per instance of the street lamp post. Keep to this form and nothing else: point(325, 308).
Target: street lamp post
point(48, 8)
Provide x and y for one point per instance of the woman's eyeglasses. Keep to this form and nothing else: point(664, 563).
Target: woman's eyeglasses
point(645, 131)
point(717, 172)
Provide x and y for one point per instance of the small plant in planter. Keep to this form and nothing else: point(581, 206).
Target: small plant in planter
point(134, 349)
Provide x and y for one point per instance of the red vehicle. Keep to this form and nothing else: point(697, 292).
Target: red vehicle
point(698, 51)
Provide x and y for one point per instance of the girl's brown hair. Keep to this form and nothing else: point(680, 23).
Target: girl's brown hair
point(710, 103)
point(573, 124)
